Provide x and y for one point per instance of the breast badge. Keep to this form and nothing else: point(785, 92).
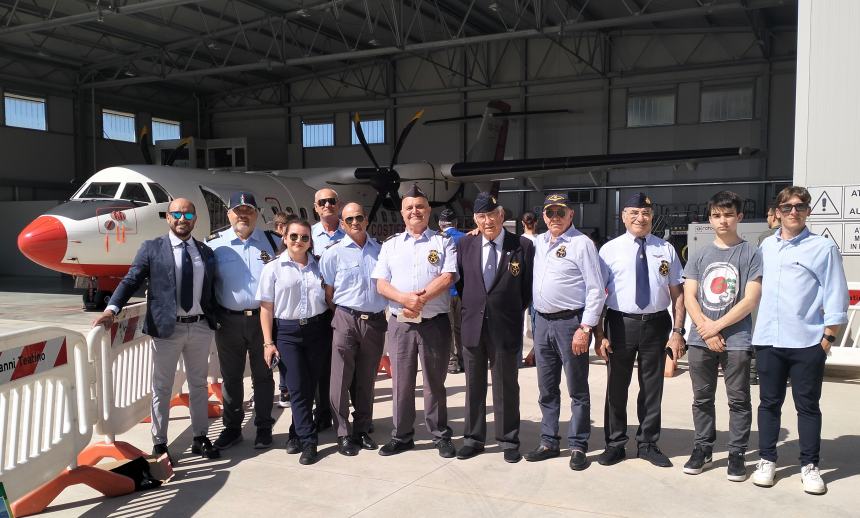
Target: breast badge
point(515, 268)
point(265, 257)
point(664, 268)
point(433, 257)
point(561, 252)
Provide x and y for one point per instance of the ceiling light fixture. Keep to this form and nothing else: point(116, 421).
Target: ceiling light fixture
point(304, 13)
point(493, 7)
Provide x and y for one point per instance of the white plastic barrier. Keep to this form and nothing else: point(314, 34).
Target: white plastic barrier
point(846, 351)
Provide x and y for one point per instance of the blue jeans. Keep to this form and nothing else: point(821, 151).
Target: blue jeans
point(552, 339)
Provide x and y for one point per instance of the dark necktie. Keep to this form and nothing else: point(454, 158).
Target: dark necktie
point(643, 287)
point(490, 267)
point(187, 287)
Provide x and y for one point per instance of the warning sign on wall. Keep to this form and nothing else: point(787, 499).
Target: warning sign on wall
point(851, 239)
point(851, 207)
point(829, 229)
point(826, 202)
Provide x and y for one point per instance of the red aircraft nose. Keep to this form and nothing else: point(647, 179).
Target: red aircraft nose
point(44, 241)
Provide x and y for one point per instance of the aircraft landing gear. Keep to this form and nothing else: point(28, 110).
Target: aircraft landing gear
point(95, 300)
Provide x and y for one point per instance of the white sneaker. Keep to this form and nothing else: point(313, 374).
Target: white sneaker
point(811, 479)
point(764, 471)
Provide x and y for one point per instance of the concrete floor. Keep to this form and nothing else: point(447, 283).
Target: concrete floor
point(250, 482)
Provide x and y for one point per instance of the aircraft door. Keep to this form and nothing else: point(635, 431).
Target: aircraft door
point(216, 208)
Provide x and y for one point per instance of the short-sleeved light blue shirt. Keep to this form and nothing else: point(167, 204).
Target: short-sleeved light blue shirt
point(803, 290)
point(322, 239)
point(239, 265)
point(567, 275)
point(409, 264)
point(347, 267)
point(296, 291)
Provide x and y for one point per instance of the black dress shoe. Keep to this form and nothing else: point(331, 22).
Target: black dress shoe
point(203, 447)
point(446, 448)
point(365, 441)
point(512, 455)
point(578, 460)
point(160, 449)
point(345, 446)
point(228, 437)
point(467, 452)
point(309, 455)
point(294, 445)
point(652, 454)
point(263, 439)
point(394, 447)
point(612, 455)
point(541, 453)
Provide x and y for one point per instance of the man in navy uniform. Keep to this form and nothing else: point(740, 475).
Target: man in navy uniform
point(495, 269)
point(240, 254)
point(180, 318)
point(643, 278)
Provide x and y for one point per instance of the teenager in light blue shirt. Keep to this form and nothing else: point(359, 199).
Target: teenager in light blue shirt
point(804, 302)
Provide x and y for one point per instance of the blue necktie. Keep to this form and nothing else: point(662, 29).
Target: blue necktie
point(643, 287)
point(490, 267)
point(187, 287)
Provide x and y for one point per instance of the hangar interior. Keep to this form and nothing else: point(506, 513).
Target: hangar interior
point(81, 78)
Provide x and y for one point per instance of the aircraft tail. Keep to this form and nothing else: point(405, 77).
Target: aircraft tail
point(492, 136)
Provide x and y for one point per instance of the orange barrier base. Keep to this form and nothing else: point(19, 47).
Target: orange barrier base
point(105, 482)
point(384, 365)
point(184, 400)
point(215, 390)
point(94, 453)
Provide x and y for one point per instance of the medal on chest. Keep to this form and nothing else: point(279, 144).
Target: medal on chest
point(433, 257)
point(664, 268)
point(514, 267)
point(265, 257)
point(561, 252)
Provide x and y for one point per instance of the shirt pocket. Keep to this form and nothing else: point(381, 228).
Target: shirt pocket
point(348, 273)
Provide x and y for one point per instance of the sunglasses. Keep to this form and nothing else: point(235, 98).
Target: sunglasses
point(358, 219)
point(179, 215)
point(323, 201)
point(551, 213)
point(799, 207)
point(304, 237)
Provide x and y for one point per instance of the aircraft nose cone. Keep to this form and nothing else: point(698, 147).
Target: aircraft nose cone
point(44, 241)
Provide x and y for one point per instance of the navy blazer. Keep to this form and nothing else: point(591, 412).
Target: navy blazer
point(154, 264)
point(499, 310)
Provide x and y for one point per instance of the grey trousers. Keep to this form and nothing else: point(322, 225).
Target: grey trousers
point(431, 340)
point(238, 338)
point(355, 354)
point(192, 342)
point(704, 365)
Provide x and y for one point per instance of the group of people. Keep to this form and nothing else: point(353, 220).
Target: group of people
point(322, 300)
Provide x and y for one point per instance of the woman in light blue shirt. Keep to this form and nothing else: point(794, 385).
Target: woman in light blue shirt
point(291, 290)
point(804, 302)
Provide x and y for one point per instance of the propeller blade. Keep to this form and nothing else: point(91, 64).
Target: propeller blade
point(494, 188)
point(402, 137)
point(175, 153)
point(360, 133)
point(144, 145)
point(348, 183)
point(433, 180)
point(376, 203)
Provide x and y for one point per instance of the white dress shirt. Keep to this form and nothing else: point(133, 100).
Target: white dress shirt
point(199, 270)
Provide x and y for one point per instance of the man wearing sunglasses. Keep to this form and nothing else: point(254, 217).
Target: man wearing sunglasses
point(568, 298)
point(180, 317)
point(804, 303)
point(643, 279)
point(240, 254)
point(358, 329)
point(414, 271)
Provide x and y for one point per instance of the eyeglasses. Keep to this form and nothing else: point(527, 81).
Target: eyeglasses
point(179, 215)
point(304, 237)
point(322, 202)
point(551, 213)
point(638, 213)
point(799, 207)
point(358, 219)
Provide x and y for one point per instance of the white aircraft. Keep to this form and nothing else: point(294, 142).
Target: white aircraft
point(94, 235)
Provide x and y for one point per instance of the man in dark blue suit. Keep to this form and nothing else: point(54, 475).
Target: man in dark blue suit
point(180, 318)
point(495, 269)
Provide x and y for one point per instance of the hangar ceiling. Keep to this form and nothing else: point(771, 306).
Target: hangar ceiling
point(239, 53)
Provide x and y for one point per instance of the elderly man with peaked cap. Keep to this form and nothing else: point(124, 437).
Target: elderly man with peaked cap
point(414, 271)
point(495, 269)
point(643, 278)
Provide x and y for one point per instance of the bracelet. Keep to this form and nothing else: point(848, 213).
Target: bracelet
point(268, 344)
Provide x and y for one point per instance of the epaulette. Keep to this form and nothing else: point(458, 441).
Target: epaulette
point(377, 240)
point(213, 235)
point(332, 244)
point(392, 235)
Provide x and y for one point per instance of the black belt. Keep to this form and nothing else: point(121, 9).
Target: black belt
point(640, 316)
point(562, 315)
point(305, 321)
point(362, 314)
point(246, 312)
point(434, 317)
point(190, 319)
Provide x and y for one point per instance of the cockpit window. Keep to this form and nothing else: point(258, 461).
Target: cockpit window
point(135, 192)
point(100, 190)
point(159, 193)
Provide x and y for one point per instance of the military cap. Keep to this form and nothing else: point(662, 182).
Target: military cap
point(485, 202)
point(557, 198)
point(447, 215)
point(242, 198)
point(638, 200)
point(415, 192)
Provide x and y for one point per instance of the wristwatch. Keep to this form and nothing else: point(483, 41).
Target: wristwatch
point(829, 338)
point(680, 330)
point(585, 328)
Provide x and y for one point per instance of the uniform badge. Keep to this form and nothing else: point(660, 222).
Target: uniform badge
point(433, 257)
point(561, 252)
point(265, 257)
point(664, 268)
point(515, 268)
